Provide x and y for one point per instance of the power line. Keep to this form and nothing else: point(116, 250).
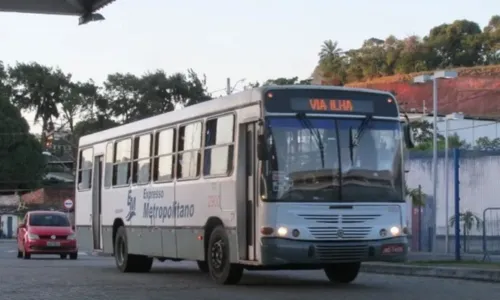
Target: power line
point(469, 127)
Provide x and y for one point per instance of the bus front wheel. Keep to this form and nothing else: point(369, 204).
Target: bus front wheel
point(220, 268)
point(129, 262)
point(342, 272)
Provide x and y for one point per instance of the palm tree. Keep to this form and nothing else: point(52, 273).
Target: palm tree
point(416, 195)
point(331, 60)
point(468, 220)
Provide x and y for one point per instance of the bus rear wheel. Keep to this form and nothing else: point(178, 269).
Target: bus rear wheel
point(221, 270)
point(342, 272)
point(129, 263)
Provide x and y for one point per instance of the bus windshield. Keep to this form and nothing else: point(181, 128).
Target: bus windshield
point(325, 159)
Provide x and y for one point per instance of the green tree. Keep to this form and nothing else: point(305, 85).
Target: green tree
point(22, 164)
point(38, 88)
point(468, 220)
point(129, 98)
point(492, 40)
point(287, 81)
point(486, 144)
point(331, 61)
point(416, 195)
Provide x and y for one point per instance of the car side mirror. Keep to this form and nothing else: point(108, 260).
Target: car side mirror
point(262, 153)
point(73, 227)
point(408, 136)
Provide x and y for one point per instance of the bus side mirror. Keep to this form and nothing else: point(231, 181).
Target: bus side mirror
point(408, 136)
point(262, 153)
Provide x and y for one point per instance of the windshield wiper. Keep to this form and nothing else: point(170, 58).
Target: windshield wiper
point(315, 132)
point(353, 142)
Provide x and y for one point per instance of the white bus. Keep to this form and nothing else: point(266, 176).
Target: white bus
point(280, 177)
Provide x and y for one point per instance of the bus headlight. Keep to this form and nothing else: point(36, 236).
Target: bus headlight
point(282, 231)
point(395, 230)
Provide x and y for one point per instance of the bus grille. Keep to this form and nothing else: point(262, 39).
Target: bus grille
point(341, 253)
point(337, 219)
point(336, 233)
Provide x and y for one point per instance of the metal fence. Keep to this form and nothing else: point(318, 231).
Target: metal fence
point(491, 232)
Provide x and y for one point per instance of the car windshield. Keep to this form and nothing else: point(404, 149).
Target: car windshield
point(333, 160)
point(54, 220)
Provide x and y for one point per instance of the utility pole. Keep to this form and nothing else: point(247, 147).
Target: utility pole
point(228, 86)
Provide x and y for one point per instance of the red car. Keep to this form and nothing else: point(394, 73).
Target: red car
point(46, 232)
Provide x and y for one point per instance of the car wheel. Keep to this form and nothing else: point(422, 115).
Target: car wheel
point(63, 256)
point(342, 272)
point(26, 255)
point(129, 262)
point(220, 268)
point(73, 256)
point(203, 266)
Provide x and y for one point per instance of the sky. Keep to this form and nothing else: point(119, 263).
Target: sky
point(246, 39)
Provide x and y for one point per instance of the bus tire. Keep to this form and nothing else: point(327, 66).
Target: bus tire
point(203, 266)
point(221, 270)
point(129, 263)
point(342, 272)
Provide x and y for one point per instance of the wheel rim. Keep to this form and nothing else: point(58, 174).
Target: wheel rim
point(120, 251)
point(218, 256)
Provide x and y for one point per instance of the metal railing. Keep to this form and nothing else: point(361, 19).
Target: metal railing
point(491, 232)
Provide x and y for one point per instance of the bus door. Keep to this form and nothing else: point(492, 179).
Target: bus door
point(251, 189)
point(96, 202)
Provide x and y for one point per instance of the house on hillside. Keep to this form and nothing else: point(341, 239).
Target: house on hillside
point(9, 215)
point(49, 198)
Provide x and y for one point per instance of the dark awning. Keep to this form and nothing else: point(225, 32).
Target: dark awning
point(82, 8)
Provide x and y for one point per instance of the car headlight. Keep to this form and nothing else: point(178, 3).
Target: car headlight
point(71, 237)
point(282, 231)
point(32, 236)
point(395, 231)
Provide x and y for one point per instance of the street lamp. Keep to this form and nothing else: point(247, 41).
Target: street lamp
point(422, 79)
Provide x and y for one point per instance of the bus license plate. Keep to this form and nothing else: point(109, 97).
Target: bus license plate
point(53, 244)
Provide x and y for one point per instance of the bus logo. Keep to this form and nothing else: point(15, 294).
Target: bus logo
point(340, 233)
point(131, 206)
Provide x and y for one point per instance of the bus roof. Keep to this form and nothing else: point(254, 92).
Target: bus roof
point(209, 107)
point(205, 108)
point(324, 87)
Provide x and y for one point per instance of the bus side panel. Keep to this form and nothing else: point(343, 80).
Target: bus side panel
point(83, 219)
point(203, 197)
point(83, 213)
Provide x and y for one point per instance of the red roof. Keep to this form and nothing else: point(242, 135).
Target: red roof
point(477, 97)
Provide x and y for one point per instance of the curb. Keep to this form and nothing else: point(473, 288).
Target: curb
point(101, 254)
point(431, 271)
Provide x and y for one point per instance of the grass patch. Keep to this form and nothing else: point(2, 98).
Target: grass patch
point(462, 263)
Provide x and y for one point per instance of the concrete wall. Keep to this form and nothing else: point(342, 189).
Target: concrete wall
point(479, 186)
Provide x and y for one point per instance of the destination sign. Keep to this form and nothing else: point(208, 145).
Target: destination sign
point(329, 101)
point(331, 105)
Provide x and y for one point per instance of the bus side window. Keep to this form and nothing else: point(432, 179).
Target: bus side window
point(108, 170)
point(142, 159)
point(121, 162)
point(189, 156)
point(219, 146)
point(85, 169)
point(164, 157)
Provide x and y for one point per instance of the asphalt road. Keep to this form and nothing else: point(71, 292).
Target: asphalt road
point(92, 277)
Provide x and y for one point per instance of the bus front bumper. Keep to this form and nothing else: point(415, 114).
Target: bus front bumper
point(279, 251)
